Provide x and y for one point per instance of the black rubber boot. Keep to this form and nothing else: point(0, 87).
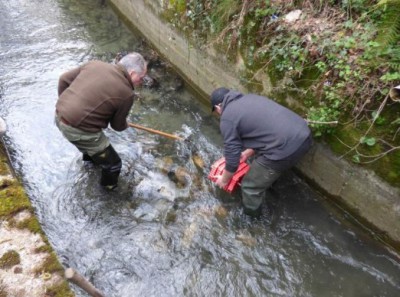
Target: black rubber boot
point(254, 213)
point(87, 158)
point(110, 164)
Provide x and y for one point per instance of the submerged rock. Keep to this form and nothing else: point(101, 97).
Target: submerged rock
point(177, 174)
point(150, 82)
point(246, 238)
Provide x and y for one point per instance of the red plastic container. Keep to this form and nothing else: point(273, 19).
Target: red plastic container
point(218, 168)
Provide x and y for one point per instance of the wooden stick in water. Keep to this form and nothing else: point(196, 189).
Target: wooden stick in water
point(74, 277)
point(155, 131)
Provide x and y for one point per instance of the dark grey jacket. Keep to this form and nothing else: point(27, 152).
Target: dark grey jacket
point(253, 121)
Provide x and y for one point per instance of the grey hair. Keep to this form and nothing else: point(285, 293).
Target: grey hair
point(133, 62)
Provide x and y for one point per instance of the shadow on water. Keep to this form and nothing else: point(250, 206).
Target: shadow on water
point(159, 234)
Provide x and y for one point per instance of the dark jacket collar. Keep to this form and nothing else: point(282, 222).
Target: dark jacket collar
point(229, 97)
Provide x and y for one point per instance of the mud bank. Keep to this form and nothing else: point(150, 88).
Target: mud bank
point(359, 192)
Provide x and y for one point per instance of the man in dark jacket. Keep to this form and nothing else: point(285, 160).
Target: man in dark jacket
point(255, 125)
point(93, 96)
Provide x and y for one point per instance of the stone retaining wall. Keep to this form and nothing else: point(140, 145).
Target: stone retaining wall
point(362, 193)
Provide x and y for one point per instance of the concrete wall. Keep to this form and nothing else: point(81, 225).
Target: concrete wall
point(366, 196)
point(202, 73)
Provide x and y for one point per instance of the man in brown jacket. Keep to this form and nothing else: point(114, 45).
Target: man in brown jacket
point(93, 96)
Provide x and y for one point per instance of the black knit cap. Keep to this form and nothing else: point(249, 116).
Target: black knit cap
point(217, 96)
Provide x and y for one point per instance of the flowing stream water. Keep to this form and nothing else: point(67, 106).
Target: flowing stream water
point(154, 236)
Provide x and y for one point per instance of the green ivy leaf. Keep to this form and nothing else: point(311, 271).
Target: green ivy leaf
point(356, 158)
point(379, 120)
point(370, 141)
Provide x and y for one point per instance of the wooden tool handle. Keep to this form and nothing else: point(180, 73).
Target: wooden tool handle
point(155, 131)
point(74, 277)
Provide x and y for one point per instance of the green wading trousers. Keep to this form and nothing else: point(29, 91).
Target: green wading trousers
point(95, 147)
point(86, 142)
point(254, 186)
